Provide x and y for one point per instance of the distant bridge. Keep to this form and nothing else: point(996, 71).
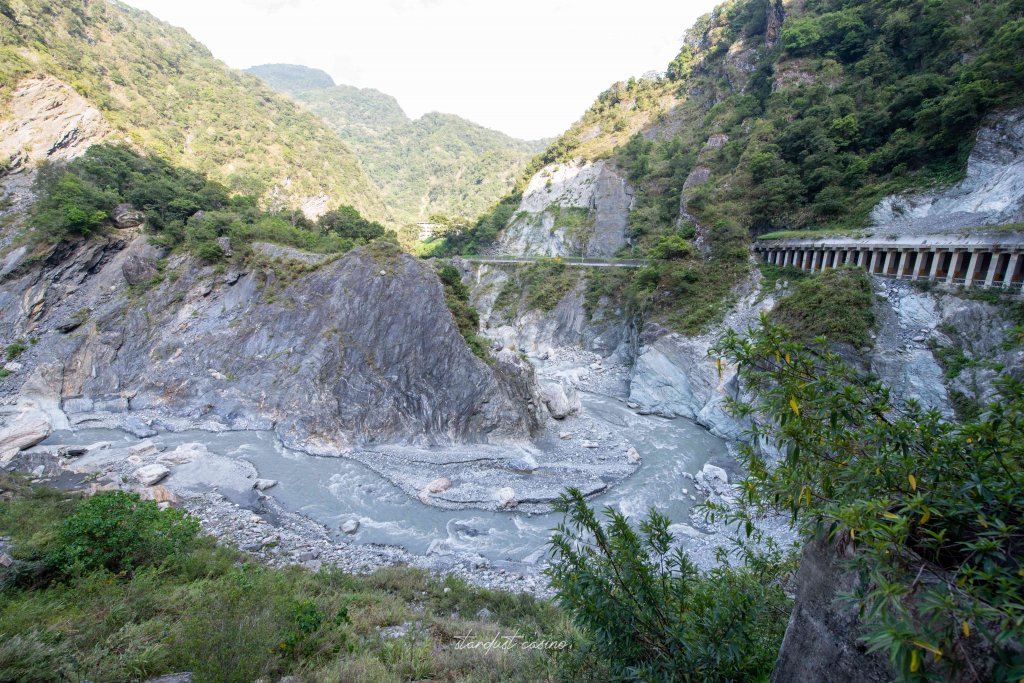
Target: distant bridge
point(565, 260)
point(994, 261)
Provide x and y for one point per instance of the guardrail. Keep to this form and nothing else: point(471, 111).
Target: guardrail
point(594, 262)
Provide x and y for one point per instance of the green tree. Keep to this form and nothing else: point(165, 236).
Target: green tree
point(651, 614)
point(932, 509)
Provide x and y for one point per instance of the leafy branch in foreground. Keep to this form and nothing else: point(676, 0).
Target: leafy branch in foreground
point(933, 509)
point(650, 614)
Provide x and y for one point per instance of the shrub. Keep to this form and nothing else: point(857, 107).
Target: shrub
point(651, 614)
point(932, 509)
point(120, 533)
point(837, 304)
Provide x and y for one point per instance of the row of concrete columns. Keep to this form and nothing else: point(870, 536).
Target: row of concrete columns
point(983, 266)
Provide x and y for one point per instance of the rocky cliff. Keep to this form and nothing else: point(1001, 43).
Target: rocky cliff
point(361, 349)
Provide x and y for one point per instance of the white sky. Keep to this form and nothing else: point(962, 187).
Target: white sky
point(528, 68)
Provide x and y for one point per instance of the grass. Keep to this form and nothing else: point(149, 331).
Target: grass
point(812, 234)
point(836, 304)
point(536, 286)
point(212, 611)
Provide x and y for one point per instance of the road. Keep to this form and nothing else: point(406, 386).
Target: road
point(567, 260)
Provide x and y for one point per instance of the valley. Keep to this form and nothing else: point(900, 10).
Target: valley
point(751, 329)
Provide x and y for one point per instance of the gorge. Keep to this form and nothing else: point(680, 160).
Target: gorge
point(204, 302)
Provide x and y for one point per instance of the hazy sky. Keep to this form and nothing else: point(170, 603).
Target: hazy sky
point(526, 67)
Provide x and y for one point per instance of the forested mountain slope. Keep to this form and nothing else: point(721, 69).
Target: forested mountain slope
point(437, 164)
point(164, 92)
point(774, 115)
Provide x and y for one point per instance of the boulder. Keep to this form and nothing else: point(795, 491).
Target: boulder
point(151, 474)
point(159, 494)
point(225, 245)
point(26, 429)
point(143, 449)
point(632, 455)
point(185, 453)
point(438, 485)
point(12, 366)
point(506, 497)
point(350, 526)
point(587, 443)
point(264, 484)
point(138, 269)
point(561, 400)
point(127, 216)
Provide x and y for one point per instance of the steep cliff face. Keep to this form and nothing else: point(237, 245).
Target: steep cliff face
point(573, 209)
point(362, 349)
point(991, 193)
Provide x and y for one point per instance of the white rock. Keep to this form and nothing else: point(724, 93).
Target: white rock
point(12, 366)
point(264, 484)
point(633, 455)
point(561, 400)
point(185, 453)
point(587, 443)
point(565, 435)
point(438, 485)
point(350, 526)
point(151, 474)
point(29, 427)
point(506, 496)
point(98, 446)
point(714, 475)
point(143, 449)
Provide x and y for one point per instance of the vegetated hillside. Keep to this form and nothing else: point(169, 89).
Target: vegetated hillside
point(165, 92)
point(783, 115)
point(437, 164)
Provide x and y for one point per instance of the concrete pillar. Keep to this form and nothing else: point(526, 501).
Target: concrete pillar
point(873, 261)
point(902, 264)
point(816, 258)
point(972, 265)
point(888, 262)
point(1011, 270)
point(954, 265)
point(993, 266)
point(937, 257)
point(919, 263)
point(862, 258)
point(805, 256)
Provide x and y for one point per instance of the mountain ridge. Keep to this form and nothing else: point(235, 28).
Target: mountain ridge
point(438, 163)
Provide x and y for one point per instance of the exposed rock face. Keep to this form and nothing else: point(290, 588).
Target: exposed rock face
point(127, 216)
point(606, 330)
point(24, 428)
point(137, 269)
point(992, 192)
point(344, 355)
point(48, 121)
point(821, 639)
point(674, 376)
point(597, 188)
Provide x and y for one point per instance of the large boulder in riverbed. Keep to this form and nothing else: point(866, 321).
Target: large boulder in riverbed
point(561, 400)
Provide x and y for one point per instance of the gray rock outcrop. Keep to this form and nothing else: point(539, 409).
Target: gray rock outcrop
point(599, 189)
point(341, 356)
point(991, 193)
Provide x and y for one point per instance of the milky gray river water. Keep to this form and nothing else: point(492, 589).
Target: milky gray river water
point(332, 490)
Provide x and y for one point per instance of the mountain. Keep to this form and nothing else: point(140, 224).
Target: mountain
point(437, 164)
point(164, 92)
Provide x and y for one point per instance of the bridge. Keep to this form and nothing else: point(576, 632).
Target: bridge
point(565, 260)
point(991, 260)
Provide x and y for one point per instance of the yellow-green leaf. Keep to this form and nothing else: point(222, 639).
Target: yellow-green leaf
point(931, 648)
point(913, 481)
point(967, 629)
point(925, 517)
point(793, 404)
point(889, 515)
point(915, 661)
